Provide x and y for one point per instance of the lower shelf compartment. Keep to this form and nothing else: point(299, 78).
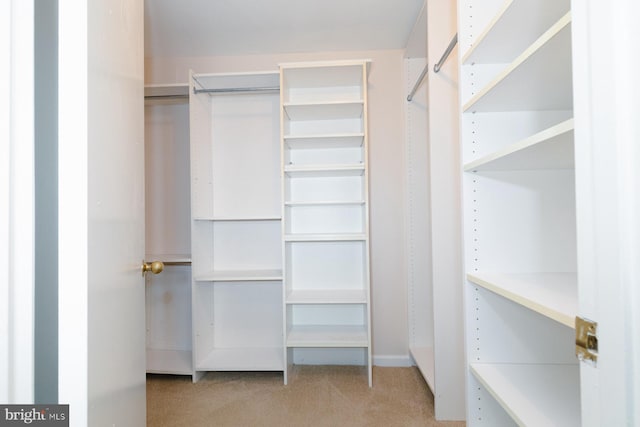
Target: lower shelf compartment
point(534, 395)
point(177, 362)
point(327, 336)
point(424, 358)
point(243, 359)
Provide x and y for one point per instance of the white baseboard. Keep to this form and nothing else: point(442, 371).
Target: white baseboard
point(396, 361)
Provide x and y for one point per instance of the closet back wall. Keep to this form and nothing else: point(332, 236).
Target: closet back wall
point(386, 163)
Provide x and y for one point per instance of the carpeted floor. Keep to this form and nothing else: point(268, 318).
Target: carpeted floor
point(324, 396)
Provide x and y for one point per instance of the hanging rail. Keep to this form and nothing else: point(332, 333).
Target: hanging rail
point(168, 91)
point(446, 53)
point(240, 83)
point(237, 90)
point(417, 85)
point(160, 97)
point(436, 68)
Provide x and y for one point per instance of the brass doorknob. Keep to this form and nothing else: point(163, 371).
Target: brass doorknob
point(155, 267)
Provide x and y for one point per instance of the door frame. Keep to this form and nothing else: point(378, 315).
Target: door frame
point(72, 207)
point(17, 201)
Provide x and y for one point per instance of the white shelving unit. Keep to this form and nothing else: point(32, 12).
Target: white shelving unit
point(236, 222)
point(168, 295)
point(433, 209)
point(520, 213)
point(325, 228)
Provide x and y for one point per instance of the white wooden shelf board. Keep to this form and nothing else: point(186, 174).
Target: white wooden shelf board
point(169, 362)
point(327, 336)
point(324, 170)
point(268, 79)
point(516, 25)
point(241, 276)
point(554, 295)
point(534, 395)
point(243, 359)
point(239, 219)
point(424, 358)
point(551, 148)
point(326, 203)
point(324, 73)
point(347, 237)
point(166, 90)
point(169, 258)
point(537, 80)
point(324, 110)
point(326, 296)
point(346, 140)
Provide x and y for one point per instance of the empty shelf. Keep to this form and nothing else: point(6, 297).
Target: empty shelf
point(169, 258)
point(169, 362)
point(346, 140)
point(353, 237)
point(324, 170)
point(539, 79)
point(327, 336)
point(324, 110)
point(243, 359)
point(549, 149)
point(326, 203)
point(554, 295)
point(534, 395)
point(424, 358)
point(516, 25)
point(240, 276)
point(327, 296)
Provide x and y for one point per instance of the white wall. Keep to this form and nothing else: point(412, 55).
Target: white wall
point(387, 198)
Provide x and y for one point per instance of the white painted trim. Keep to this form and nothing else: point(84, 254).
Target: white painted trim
point(5, 108)
point(17, 193)
point(73, 212)
point(393, 361)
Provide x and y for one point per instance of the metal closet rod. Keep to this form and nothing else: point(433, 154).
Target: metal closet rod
point(237, 90)
point(166, 97)
point(446, 53)
point(417, 85)
point(436, 68)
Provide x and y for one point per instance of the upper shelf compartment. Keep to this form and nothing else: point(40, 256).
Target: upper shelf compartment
point(538, 79)
point(323, 82)
point(335, 110)
point(517, 24)
point(551, 148)
point(236, 83)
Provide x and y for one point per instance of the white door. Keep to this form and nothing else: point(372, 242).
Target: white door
point(101, 217)
point(607, 106)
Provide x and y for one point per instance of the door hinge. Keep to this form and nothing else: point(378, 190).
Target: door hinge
point(586, 340)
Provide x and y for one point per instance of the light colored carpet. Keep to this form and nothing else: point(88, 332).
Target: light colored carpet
point(320, 396)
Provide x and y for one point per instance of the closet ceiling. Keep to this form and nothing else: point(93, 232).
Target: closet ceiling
point(240, 27)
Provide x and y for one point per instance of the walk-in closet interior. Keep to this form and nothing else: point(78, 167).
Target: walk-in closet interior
point(414, 203)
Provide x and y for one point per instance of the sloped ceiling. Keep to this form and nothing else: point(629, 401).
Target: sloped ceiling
point(241, 27)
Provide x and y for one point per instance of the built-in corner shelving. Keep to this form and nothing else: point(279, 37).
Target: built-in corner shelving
point(325, 229)
point(520, 212)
